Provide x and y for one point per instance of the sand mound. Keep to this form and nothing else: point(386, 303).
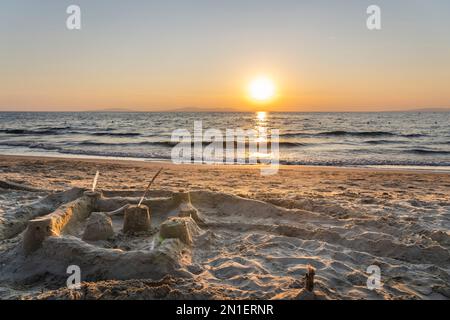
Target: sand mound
point(99, 227)
point(182, 228)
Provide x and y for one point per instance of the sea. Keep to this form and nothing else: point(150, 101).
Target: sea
point(419, 140)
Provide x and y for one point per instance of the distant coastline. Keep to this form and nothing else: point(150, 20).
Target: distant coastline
point(227, 110)
point(235, 110)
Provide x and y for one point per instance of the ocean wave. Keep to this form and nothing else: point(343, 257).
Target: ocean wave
point(357, 133)
point(31, 145)
point(427, 151)
point(338, 133)
point(295, 134)
point(384, 142)
point(167, 144)
point(43, 131)
point(170, 144)
point(116, 154)
point(68, 130)
point(44, 146)
point(118, 134)
point(365, 162)
point(88, 143)
point(414, 135)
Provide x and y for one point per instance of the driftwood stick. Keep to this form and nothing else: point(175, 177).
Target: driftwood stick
point(94, 183)
point(309, 279)
point(117, 211)
point(148, 187)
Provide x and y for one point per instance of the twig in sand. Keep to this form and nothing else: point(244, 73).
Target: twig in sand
point(94, 184)
point(117, 211)
point(148, 187)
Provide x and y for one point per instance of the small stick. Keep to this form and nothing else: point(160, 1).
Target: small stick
point(148, 187)
point(117, 211)
point(309, 279)
point(94, 184)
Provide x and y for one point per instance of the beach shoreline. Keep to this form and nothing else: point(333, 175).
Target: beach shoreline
point(162, 162)
point(17, 167)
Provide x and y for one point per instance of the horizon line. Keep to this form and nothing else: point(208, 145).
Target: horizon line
point(206, 110)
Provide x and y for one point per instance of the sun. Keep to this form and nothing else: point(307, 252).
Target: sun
point(262, 89)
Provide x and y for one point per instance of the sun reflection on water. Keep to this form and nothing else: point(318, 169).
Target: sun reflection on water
point(261, 116)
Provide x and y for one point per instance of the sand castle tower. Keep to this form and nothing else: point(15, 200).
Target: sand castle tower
point(136, 219)
point(185, 207)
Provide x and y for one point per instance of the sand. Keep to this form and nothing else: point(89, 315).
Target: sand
point(255, 239)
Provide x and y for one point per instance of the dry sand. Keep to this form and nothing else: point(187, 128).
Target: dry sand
point(261, 232)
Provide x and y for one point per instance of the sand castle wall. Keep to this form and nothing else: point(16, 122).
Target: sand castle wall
point(21, 216)
point(53, 224)
point(96, 263)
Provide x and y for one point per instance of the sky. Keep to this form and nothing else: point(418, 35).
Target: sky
point(163, 55)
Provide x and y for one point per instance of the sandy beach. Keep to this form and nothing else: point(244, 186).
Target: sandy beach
point(258, 234)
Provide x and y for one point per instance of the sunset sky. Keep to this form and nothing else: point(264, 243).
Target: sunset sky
point(161, 55)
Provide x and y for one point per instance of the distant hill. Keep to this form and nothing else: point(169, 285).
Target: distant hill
point(429, 110)
point(187, 109)
point(113, 110)
point(195, 109)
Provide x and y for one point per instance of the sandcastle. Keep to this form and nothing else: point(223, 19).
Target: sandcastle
point(98, 225)
point(114, 237)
